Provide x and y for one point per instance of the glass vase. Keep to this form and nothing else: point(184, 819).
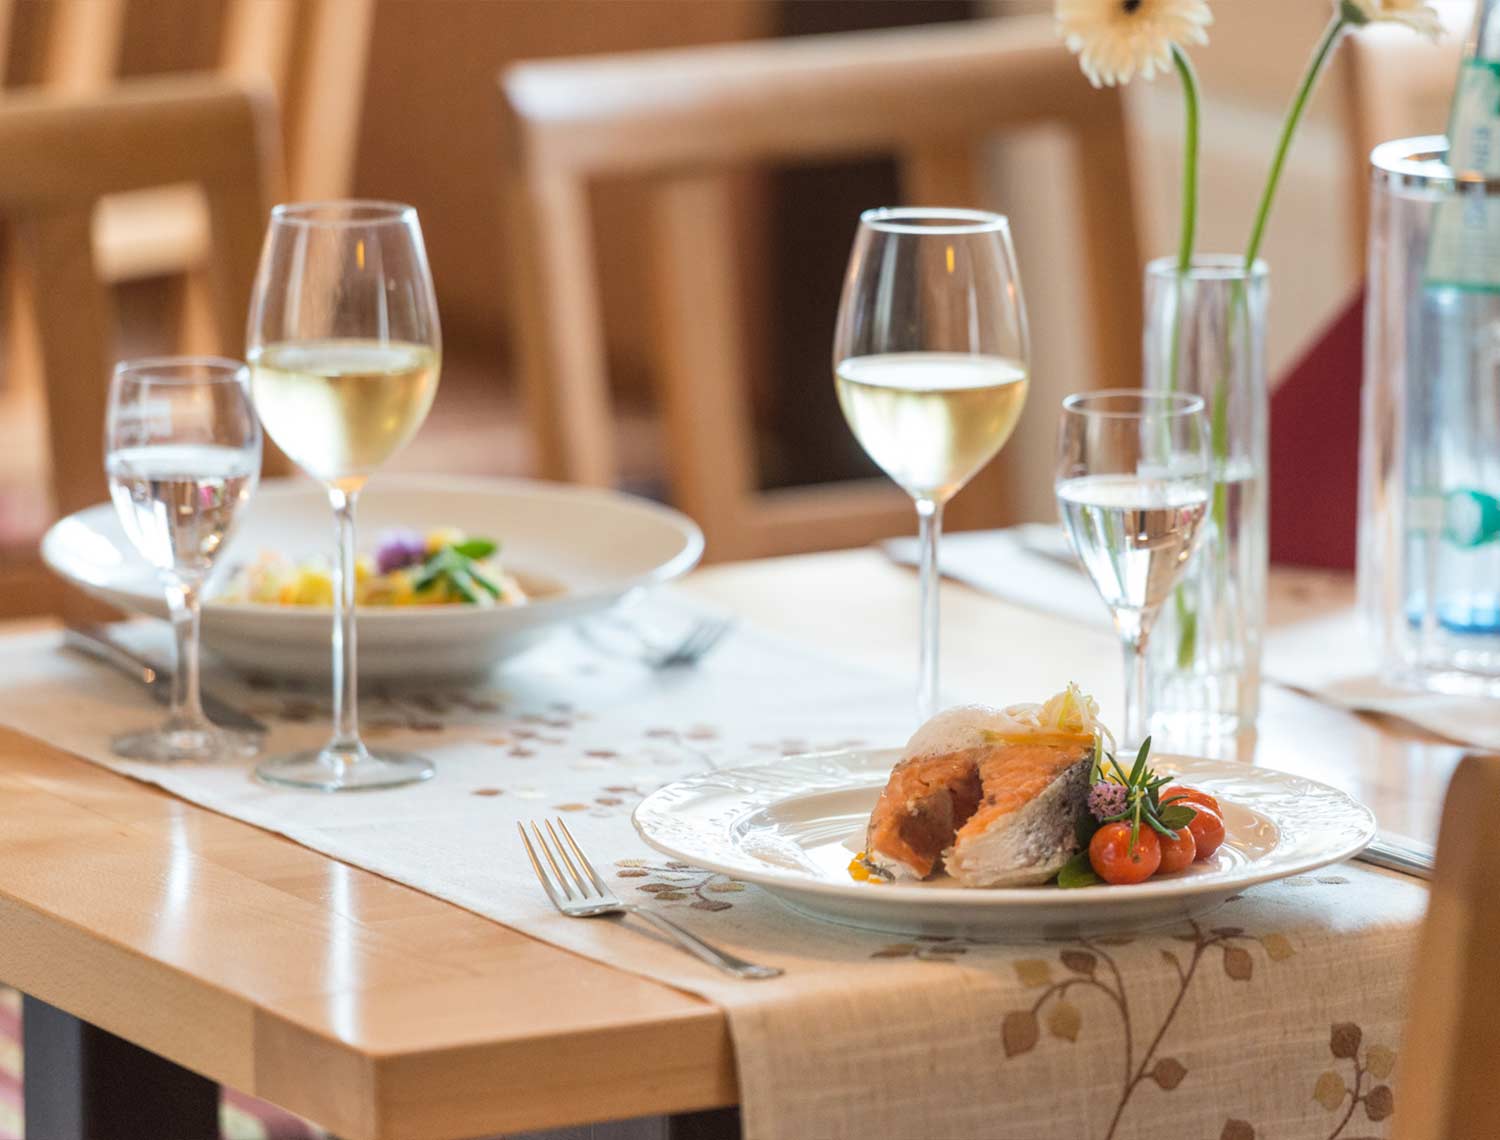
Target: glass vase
point(1205, 334)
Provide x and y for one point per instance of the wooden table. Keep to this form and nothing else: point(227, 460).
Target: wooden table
point(378, 1011)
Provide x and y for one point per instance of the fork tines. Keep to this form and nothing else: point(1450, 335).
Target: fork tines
point(580, 880)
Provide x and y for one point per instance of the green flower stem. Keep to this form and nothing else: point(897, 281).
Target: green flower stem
point(1189, 159)
point(1219, 404)
point(1185, 618)
point(1289, 129)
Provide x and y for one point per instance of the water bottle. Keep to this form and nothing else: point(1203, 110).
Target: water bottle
point(1453, 414)
point(1429, 550)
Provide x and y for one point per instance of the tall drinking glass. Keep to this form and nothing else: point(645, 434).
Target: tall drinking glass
point(1132, 487)
point(930, 363)
point(344, 355)
point(182, 453)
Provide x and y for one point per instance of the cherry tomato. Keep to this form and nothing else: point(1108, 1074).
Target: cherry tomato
point(1178, 852)
point(1189, 797)
point(1208, 831)
point(1114, 862)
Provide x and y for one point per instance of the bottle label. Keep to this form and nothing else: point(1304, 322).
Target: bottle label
point(1463, 249)
point(1474, 125)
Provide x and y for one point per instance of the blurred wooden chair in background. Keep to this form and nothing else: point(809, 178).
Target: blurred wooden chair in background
point(63, 154)
point(682, 118)
point(311, 54)
point(1446, 1077)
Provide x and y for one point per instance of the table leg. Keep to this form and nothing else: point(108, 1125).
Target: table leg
point(82, 1083)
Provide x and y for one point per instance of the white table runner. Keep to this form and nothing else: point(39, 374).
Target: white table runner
point(1278, 1016)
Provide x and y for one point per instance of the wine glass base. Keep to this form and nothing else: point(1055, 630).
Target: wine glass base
point(324, 770)
point(186, 745)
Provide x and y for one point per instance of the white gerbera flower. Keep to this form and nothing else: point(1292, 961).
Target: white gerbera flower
point(1115, 39)
point(1419, 15)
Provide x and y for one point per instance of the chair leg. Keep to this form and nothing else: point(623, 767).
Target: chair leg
point(81, 1083)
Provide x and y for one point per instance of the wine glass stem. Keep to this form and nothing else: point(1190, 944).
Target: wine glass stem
point(345, 674)
point(929, 528)
point(187, 706)
point(1133, 634)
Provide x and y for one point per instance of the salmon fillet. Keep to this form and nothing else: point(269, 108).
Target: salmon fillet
point(926, 799)
point(1024, 828)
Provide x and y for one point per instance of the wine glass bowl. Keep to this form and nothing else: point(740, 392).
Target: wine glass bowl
point(182, 457)
point(344, 351)
point(930, 365)
point(1133, 486)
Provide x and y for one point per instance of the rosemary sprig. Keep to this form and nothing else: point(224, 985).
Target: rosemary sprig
point(1143, 804)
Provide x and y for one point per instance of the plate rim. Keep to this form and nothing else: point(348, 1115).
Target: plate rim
point(686, 557)
point(1009, 898)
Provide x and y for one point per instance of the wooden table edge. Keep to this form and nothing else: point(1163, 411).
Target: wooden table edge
point(469, 1088)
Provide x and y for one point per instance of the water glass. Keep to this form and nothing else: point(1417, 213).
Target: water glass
point(1133, 484)
point(182, 454)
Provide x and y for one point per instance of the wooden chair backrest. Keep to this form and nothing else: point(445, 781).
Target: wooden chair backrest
point(63, 154)
point(929, 97)
point(312, 54)
point(1446, 1073)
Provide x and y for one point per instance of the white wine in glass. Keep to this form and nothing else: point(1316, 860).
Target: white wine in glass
point(341, 408)
point(931, 419)
point(344, 358)
point(930, 366)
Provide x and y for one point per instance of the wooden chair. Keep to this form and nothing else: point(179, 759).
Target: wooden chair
point(311, 53)
point(1446, 1079)
point(680, 119)
point(63, 155)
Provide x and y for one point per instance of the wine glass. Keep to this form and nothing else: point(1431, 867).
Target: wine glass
point(344, 353)
point(930, 364)
point(1133, 486)
point(182, 454)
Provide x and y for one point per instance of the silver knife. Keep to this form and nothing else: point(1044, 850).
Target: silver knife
point(1397, 853)
point(98, 642)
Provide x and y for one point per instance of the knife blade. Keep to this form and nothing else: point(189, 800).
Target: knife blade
point(1397, 853)
point(98, 642)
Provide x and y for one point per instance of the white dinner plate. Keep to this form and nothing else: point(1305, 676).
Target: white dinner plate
point(793, 826)
point(587, 548)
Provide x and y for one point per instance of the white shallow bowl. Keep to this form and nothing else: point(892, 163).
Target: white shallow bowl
point(593, 547)
point(792, 827)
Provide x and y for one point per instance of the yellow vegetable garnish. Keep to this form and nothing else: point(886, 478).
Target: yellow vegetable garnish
point(441, 537)
point(312, 588)
point(861, 870)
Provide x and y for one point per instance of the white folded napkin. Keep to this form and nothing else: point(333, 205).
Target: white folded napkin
point(1031, 565)
point(1329, 657)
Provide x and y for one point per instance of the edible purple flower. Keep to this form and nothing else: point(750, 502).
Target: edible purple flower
point(1107, 799)
point(399, 549)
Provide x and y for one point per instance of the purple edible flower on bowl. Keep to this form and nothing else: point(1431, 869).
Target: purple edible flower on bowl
point(399, 549)
point(1107, 799)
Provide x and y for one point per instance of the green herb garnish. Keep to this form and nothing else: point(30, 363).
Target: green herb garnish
point(456, 564)
point(1078, 872)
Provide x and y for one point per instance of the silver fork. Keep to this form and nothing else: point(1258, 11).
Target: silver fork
point(693, 646)
point(581, 893)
